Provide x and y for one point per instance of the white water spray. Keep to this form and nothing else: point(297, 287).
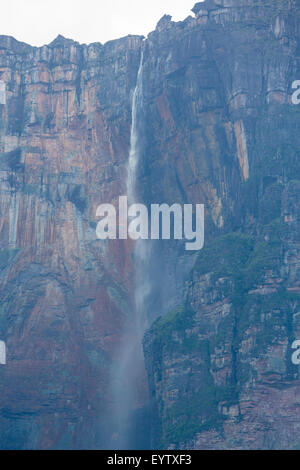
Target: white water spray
point(134, 139)
point(129, 376)
point(141, 248)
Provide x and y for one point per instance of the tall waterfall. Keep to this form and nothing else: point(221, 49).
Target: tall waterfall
point(129, 377)
point(134, 137)
point(141, 248)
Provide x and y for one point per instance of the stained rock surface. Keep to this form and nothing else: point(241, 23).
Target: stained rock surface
point(216, 126)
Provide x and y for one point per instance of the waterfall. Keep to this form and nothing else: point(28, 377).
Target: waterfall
point(134, 136)
point(141, 248)
point(129, 377)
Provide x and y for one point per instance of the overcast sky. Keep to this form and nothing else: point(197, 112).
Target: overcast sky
point(38, 22)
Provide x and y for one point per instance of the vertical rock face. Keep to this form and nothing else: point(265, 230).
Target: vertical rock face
point(217, 127)
point(225, 133)
point(65, 125)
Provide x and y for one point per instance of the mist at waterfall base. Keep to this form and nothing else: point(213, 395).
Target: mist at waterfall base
point(131, 410)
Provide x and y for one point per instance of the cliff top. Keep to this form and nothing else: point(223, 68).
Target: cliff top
point(206, 5)
point(62, 41)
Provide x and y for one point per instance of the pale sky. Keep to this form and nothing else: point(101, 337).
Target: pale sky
point(38, 22)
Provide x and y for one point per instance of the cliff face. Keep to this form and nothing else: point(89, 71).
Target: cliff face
point(220, 364)
point(65, 129)
point(217, 126)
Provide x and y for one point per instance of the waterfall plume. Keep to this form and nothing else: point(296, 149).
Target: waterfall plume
point(128, 376)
